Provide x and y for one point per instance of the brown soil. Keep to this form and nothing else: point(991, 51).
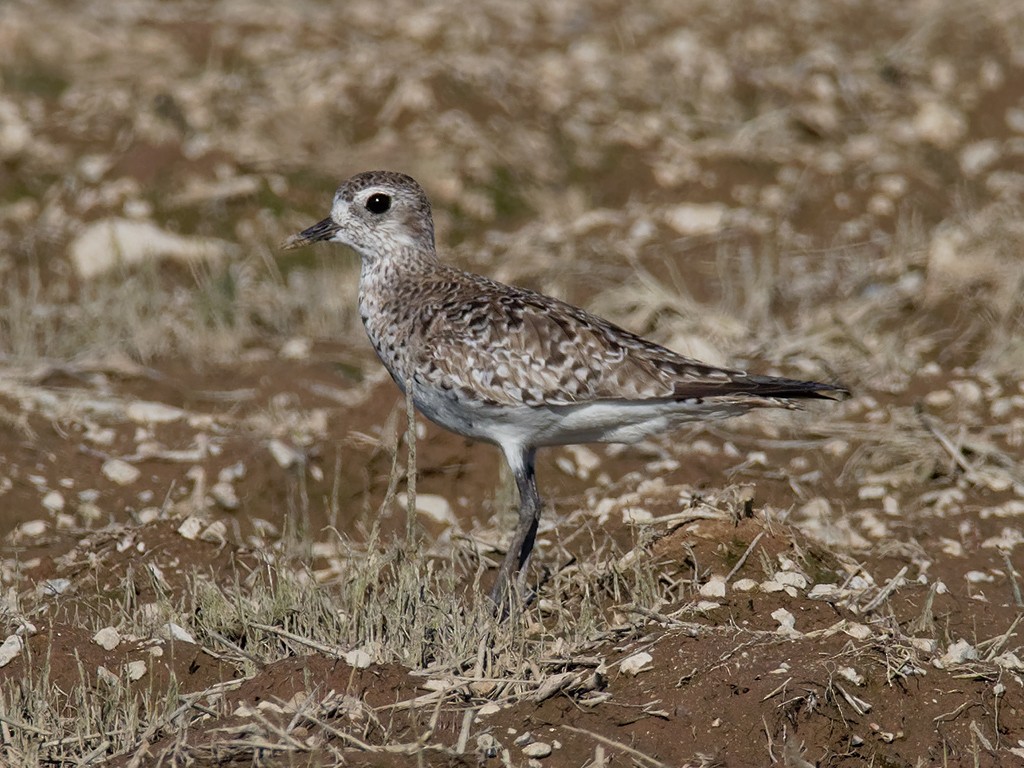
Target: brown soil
point(180, 440)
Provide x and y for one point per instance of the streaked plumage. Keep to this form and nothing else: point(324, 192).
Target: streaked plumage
point(511, 366)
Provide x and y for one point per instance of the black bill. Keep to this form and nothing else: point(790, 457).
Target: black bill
point(322, 230)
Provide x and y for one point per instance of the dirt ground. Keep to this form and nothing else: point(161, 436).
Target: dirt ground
point(208, 556)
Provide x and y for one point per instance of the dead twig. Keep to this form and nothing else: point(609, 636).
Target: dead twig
point(635, 753)
point(743, 557)
point(891, 586)
point(334, 652)
point(1012, 574)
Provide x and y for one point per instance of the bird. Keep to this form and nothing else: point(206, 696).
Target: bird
point(511, 366)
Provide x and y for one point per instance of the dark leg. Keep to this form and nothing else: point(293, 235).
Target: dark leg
point(519, 548)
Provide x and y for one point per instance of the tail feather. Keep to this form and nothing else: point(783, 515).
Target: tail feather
point(761, 386)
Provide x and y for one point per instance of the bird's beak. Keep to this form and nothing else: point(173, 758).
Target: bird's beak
point(322, 230)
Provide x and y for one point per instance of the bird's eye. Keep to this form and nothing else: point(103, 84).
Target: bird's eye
point(378, 202)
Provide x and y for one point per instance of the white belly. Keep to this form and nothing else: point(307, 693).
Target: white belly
point(598, 422)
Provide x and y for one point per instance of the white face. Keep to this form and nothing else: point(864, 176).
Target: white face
point(379, 215)
point(377, 222)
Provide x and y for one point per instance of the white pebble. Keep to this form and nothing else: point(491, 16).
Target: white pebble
point(53, 587)
point(190, 528)
point(135, 670)
point(940, 398)
point(358, 659)
point(10, 649)
point(120, 472)
point(283, 454)
point(715, 587)
point(858, 631)
point(143, 412)
point(107, 638)
point(32, 529)
point(54, 501)
point(787, 621)
point(177, 632)
point(696, 218)
point(635, 664)
point(791, 579)
point(958, 653)
point(297, 348)
point(851, 674)
point(224, 495)
point(437, 508)
point(537, 749)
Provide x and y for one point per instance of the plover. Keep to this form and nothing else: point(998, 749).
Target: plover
point(511, 366)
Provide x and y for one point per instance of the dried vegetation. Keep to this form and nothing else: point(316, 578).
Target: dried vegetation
point(204, 484)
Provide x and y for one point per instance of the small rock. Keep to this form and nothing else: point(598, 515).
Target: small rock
point(523, 739)
point(977, 157)
point(120, 472)
point(190, 528)
point(136, 670)
point(851, 674)
point(744, 585)
point(636, 515)
point(437, 508)
point(940, 124)
point(285, 456)
point(52, 587)
point(791, 579)
point(224, 495)
point(538, 749)
point(296, 349)
point(696, 218)
point(15, 133)
point(54, 501)
point(959, 652)
point(586, 460)
point(107, 638)
point(824, 592)
point(32, 529)
point(112, 242)
point(10, 649)
point(358, 659)
point(939, 398)
point(787, 621)
point(177, 632)
point(714, 587)
point(925, 644)
point(635, 664)
point(234, 472)
point(1009, 660)
point(143, 412)
point(216, 532)
point(490, 708)
point(857, 631)
point(866, 492)
point(147, 515)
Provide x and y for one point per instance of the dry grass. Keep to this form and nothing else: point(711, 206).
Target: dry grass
point(866, 161)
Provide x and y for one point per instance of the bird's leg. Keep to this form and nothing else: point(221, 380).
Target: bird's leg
point(520, 547)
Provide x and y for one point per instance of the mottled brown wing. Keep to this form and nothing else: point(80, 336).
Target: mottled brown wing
point(516, 347)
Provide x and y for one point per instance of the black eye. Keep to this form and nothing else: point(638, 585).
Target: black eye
point(378, 202)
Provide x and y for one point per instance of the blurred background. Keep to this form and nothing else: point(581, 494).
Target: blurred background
point(828, 191)
point(818, 190)
point(839, 170)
